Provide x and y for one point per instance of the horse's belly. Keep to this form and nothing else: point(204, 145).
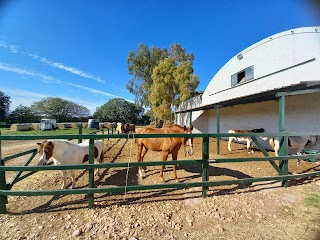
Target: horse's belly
point(153, 146)
point(241, 139)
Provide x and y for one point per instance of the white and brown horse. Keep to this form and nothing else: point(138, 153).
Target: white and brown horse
point(295, 142)
point(66, 153)
point(244, 138)
point(169, 145)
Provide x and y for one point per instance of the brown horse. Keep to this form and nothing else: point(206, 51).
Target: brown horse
point(170, 145)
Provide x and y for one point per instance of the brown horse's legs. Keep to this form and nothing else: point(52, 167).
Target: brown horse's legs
point(141, 153)
point(139, 157)
point(144, 152)
point(175, 157)
point(164, 158)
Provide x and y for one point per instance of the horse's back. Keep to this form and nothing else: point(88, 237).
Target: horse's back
point(159, 144)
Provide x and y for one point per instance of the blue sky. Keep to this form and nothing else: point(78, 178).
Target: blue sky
point(77, 49)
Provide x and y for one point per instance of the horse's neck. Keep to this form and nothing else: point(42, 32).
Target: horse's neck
point(60, 148)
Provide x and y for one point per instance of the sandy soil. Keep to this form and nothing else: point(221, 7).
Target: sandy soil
point(257, 211)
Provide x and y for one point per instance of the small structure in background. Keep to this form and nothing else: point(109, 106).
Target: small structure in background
point(48, 124)
point(93, 123)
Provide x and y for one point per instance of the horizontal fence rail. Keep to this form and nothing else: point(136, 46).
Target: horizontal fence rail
point(5, 189)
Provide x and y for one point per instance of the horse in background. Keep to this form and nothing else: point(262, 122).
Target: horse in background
point(125, 128)
point(295, 142)
point(169, 145)
point(66, 153)
point(247, 139)
point(129, 128)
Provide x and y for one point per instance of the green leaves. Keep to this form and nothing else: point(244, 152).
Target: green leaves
point(119, 110)
point(60, 109)
point(161, 79)
point(4, 106)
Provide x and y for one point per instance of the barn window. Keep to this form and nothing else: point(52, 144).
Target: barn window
point(242, 76)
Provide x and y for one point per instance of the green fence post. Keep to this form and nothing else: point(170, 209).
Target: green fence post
point(80, 132)
point(205, 164)
point(3, 185)
point(91, 173)
point(283, 164)
point(218, 128)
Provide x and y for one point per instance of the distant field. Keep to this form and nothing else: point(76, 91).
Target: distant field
point(7, 131)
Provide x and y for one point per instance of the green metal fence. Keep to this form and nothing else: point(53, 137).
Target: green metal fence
point(281, 168)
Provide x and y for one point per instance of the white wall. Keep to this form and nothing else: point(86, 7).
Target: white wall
point(302, 115)
point(281, 60)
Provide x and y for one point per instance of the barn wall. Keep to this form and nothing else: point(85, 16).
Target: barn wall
point(302, 115)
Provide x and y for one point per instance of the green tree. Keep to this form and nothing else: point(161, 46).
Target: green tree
point(176, 72)
point(23, 114)
point(172, 84)
point(60, 109)
point(119, 110)
point(4, 106)
point(141, 65)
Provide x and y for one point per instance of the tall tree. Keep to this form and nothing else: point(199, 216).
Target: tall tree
point(4, 106)
point(119, 110)
point(172, 84)
point(142, 65)
point(60, 109)
point(23, 114)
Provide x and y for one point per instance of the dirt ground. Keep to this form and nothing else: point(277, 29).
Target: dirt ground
point(262, 210)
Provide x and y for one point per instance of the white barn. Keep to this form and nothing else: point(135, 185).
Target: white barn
point(247, 89)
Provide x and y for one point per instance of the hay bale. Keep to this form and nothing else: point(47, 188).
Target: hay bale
point(84, 125)
point(21, 127)
point(74, 125)
point(63, 125)
point(35, 126)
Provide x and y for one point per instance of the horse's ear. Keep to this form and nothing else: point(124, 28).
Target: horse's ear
point(50, 143)
point(191, 128)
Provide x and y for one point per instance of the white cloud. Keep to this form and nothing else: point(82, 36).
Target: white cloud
point(10, 68)
point(26, 98)
point(62, 66)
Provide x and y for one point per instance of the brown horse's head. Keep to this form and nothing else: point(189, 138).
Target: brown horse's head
point(45, 151)
point(188, 142)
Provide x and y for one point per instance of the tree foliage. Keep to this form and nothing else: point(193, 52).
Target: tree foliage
point(119, 110)
point(172, 84)
point(23, 114)
point(141, 65)
point(60, 109)
point(4, 106)
point(161, 79)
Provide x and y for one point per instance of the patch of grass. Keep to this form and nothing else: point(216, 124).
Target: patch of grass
point(7, 131)
point(313, 200)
